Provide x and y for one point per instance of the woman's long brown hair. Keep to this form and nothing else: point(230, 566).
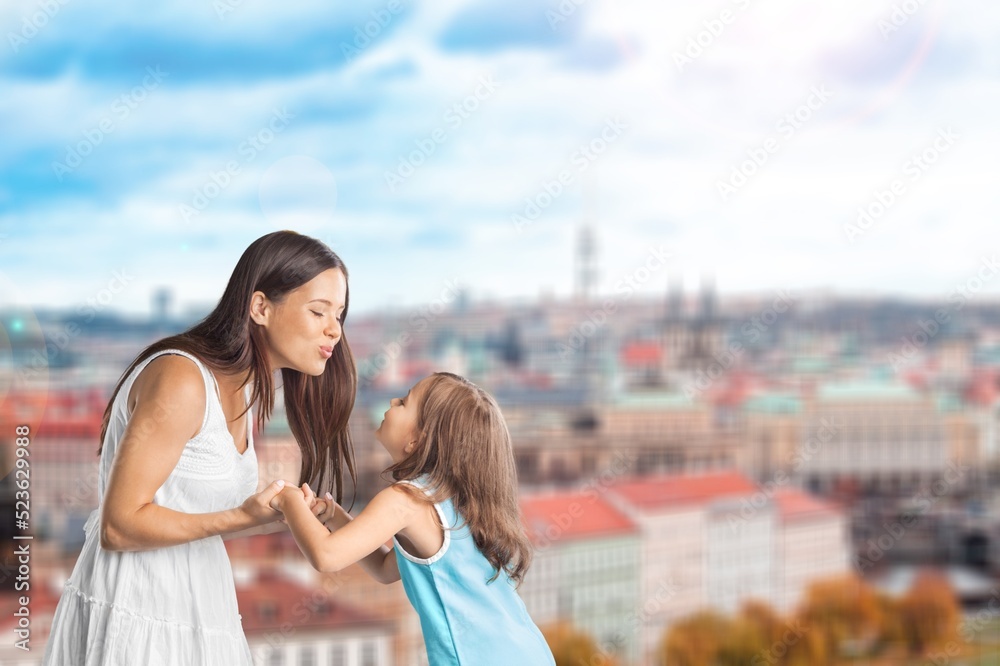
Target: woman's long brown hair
point(464, 448)
point(229, 341)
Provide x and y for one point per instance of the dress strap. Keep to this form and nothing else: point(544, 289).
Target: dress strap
point(249, 416)
point(420, 483)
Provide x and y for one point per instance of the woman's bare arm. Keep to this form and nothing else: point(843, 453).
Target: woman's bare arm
point(169, 396)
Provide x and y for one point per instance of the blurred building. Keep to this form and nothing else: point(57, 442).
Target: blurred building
point(692, 343)
point(667, 431)
point(276, 551)
point(716, 540)
point(65, 434)
point(862, 437)
point(720, 452)
point(288, 623)
point(814, 543)
point(585, 569)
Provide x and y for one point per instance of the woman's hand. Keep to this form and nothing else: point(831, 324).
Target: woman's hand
point(279, 501)
point(259, 508)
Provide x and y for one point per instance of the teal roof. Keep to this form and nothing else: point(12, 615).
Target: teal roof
point(988, 356)
point(654, 400)
point(277, 425)
point(882, 373)
point(948, 402)
point(810, 364)
point(868, 390)
point(774, 403)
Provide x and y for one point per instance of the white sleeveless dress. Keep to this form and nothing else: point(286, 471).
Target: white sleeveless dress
point(173, 606)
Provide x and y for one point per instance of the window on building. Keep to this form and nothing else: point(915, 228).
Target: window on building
point(369, 654)
point(275, 658)
point(338, 655)
point(307, 656)
point(267, 611)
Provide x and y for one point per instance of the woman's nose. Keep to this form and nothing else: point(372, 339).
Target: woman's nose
point(333, 329)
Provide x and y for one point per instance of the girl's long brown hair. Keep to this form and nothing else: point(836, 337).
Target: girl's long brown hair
point(229, 341)
point(464, 448)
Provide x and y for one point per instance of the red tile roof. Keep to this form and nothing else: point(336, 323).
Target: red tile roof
point(273, 600)
point(640, 354)
point(734, 390)
point(57, 413)
point(795, 504)
point(982, 390)
point(258, 547)
point(663, 491)
point(569, 516)
point(87, 426)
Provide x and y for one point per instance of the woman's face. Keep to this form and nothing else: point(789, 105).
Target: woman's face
point(303, 329)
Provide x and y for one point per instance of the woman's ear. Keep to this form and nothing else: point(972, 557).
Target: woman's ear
point(260, 308)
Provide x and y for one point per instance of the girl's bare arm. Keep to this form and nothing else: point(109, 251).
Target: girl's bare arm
point(361, 539)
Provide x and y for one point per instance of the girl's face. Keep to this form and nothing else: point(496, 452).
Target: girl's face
point(398, 430)
point(303, 329)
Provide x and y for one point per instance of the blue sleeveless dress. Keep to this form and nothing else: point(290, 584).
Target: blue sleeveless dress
point(464, 620)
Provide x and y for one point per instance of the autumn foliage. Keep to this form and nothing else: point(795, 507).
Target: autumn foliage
point(840, 619)
point(572, 647)
point(929, 614)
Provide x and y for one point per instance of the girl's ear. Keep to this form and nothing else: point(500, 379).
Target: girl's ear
point(412, 444)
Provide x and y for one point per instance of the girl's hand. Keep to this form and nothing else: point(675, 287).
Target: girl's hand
point(335, 513)
point(260, 508)
point(317, 506)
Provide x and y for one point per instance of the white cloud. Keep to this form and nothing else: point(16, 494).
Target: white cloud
point(687, 130)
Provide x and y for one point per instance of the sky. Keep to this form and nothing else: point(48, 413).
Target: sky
point(769, 144)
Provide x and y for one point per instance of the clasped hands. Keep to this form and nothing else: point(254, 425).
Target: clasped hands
point(324, 508)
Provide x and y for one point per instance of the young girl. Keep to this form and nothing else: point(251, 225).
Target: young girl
point(454, 520)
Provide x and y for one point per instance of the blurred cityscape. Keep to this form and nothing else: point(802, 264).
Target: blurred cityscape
point(677, 455)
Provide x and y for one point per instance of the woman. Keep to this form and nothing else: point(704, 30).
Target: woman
point(153, 583)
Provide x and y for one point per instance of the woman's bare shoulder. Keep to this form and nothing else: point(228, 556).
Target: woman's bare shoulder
point(173, 375)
